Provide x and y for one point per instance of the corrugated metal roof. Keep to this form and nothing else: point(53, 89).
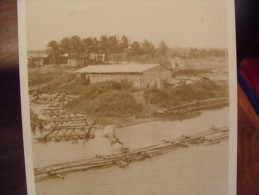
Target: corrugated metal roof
point(117, 68)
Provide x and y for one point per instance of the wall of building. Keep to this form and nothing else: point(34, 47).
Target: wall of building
point(155, 76)
point(157, 72)
point(72, 62)
point(96, 78)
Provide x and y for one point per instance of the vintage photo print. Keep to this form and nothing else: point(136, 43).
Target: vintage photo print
point(128, 97)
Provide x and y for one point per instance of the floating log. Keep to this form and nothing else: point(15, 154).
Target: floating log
point(211, 142)
point(120, 163)
point(56, 174)
point(123, 159)
point(179, 143)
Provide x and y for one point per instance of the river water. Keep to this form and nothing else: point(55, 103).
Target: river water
point(198, 169)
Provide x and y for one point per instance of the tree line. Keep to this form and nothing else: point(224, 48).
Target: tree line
point(207, 53)
point(121, 48)
point(114, 48)
point(198, 53)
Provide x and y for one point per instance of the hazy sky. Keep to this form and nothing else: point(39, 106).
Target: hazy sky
point(185, 23)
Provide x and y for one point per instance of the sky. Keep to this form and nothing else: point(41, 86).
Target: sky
point(179, 23)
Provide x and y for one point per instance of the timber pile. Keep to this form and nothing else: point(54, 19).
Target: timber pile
point(57, 124)
point(211, 136)
point(66, 126)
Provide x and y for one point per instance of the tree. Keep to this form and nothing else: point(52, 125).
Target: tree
point(87, 45)
point(104, 47)
point(54, 50)
point(135, 49)
point(123, 46)
point(148, 50)
point(124, 43)
point(95, 48)
point(194, 53)
point(113, 46)
point(65, 46)
point(162, 49)
point(76, 46)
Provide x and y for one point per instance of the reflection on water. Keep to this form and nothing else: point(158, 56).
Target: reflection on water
point(194, 170)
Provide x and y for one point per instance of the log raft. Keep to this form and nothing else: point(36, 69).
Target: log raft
point(208, 137)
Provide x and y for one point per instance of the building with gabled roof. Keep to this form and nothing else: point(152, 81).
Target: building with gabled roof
point(141, 75)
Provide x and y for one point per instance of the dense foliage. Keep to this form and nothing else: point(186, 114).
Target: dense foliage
point(204, 89)
point(112, 103)
point(114, 48)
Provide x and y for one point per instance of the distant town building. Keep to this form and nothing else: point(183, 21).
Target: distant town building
point(194, 64)
point(141, 75)
point(37, 60)
point(177, 63)
point(93, 58)
point(43, 59)
point(212, 64)
point(76, 62)
point(100, 58)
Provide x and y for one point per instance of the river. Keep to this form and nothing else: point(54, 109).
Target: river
point(194, 170)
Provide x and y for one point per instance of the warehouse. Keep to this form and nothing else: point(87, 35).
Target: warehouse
point(141, 75)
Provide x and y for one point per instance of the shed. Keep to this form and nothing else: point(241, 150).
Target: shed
point(141, 75)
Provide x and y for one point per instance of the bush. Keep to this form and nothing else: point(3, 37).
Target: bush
point(112, 103)
point(65, 83)
point(39, 76)
point(186, 93)
point(156, 96)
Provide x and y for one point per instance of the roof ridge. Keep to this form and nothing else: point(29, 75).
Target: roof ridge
point(120, 68)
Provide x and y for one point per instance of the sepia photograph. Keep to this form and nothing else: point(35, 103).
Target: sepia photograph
point(127, 97)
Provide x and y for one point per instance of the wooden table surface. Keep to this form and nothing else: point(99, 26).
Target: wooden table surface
point(12, 173)
point(248, 147)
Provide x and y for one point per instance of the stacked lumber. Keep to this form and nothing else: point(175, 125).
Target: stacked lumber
point(66, 126)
